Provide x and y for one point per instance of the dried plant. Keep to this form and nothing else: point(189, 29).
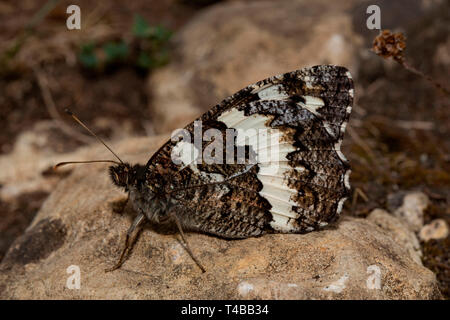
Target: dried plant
point(388, 45)
point(392, 45)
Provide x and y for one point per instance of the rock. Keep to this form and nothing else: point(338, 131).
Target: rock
point(436, 229)
point(233, 44)
point(412, 209)
point(400, 232)
point(77, 229)
point(394, 200)
point(20, 175)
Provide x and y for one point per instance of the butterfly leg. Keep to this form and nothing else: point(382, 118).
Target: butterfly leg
point(128, 244)
point(188, 248)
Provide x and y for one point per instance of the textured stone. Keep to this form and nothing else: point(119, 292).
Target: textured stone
point(412, 209)
point(355, 259)
point(436, 229)
point(400, 232)
point(27, 168)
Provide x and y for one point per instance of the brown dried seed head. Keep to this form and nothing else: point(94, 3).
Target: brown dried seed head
point(388, 44)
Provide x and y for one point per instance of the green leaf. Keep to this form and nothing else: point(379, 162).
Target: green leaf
point(87, 56)
point(115, 51)
point(161, 58)
point(144, 60)
point(160, 33)
point(141, 28)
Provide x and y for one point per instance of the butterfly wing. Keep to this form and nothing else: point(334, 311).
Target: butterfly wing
point(298, 179)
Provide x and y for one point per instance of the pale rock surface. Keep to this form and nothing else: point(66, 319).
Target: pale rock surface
point(400, 232)
point(436, 229)
point(27, 168)
point(412, 209)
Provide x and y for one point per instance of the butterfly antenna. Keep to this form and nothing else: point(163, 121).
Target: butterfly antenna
point(88, 161)
point(70, 113)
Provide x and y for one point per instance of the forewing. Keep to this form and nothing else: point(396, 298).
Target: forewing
point(300, 178)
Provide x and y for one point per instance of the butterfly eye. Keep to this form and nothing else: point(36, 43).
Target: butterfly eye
point(119, 176)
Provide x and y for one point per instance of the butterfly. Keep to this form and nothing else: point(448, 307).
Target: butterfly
point(297, 187)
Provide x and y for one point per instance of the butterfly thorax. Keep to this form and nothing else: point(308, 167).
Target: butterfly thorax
point(143, 194)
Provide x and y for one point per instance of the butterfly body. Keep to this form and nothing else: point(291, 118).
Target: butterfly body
point(143, 193)
point(266, 159)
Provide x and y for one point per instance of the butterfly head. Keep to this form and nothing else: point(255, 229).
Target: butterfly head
point(120, 174)
point(124, 175)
